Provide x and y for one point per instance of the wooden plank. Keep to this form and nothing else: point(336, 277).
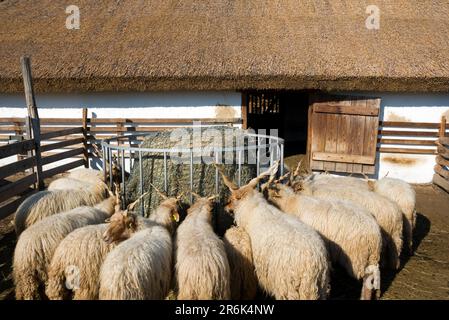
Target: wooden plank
point(16, 148)
point(442, 128)
point(10, 207)
point(62, 156)
point(318, 142)
point(442, 151)
point(62, 144)
point(357, 136)
point(346, 109)
point(330, 139)
point(441, 182)
point(85, 131)
point(404, 124)
point(15, 167)
point(344, 124)
point(407, 142)
point(407, 150)
point(441, 161)
point(63, 132)
point(400, 133)
point(63, 168)
point(341, 157)
point(441, 171)
point(370, 135)
point(16, 187)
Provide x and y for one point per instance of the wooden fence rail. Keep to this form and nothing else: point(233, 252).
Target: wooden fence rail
point(12, 188)
point(441, 176)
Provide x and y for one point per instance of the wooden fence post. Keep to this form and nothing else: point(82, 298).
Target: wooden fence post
point(442, 131)
point(33, 117)
point(86, 151)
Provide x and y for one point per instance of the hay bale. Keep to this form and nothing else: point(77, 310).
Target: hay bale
point(178, 175)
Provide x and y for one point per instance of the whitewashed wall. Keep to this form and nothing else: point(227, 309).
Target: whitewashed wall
point(208, 104)
point(413, 108)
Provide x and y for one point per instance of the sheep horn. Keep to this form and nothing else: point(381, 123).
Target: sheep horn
point(160, 193)
point(298, 168)
point(213, 197)
point(132, 205)
point(195, 194)
point(272, 170)
point(231, 185)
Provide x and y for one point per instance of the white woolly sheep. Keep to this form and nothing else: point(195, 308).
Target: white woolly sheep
point(46, 203)
point(290, 258)
point(387, 214)
point(351, 233)
point(75, 266)
point(202, 267)
point(240, 256)
point(140, 268)
point(37, 244)
point(397, 190)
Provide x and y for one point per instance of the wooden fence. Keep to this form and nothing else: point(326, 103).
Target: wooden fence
point(409, 137)
point(441, 176)
point(15, 181)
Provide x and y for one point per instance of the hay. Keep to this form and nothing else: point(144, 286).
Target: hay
point(178, 175)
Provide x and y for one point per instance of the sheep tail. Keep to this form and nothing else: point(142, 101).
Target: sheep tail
point(371, 282)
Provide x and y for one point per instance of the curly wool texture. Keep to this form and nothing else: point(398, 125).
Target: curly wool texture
point(99, 187)
point(290, 258)
point(398, 191)
point(403, 194)
point(387, 214)
point(202, 267)
point(140, 268)
point(37, 244)
point(83, 251)
point(87, 175)
point(46, 203)
point(240, 256)
point(351, 233)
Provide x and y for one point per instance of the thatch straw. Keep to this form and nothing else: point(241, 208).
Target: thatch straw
point(218, 45)
point(178, 176)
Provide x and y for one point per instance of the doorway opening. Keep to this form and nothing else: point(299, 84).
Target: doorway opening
point(286, 111)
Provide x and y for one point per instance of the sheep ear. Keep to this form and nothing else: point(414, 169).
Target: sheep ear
point(211, 198)
point(231, 185)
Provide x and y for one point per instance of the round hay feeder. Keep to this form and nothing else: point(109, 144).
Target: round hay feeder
point(181, 161)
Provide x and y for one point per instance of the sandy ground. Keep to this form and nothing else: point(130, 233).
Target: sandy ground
point(425, 275)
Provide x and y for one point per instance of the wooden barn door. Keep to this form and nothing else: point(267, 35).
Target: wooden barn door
point(343, 133)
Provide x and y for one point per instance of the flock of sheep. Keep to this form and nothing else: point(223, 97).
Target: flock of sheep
point(75, 241)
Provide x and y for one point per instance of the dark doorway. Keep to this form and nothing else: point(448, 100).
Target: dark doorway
point(286, 111)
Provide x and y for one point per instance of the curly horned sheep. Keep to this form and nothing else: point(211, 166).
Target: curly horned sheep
point(75, 267)
point(37, 244)
point(290, 258)
point(398, 191)
point(46, 203)
point(387, 214)
point(202, 267)
point(240, 256)
point(351, 233)
point(140, 268)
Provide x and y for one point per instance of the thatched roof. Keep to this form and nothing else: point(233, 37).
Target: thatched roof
point(226, 44)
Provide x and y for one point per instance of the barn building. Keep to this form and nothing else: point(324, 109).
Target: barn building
point(355, 95)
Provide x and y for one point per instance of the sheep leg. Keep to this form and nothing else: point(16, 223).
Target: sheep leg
point(367, 288)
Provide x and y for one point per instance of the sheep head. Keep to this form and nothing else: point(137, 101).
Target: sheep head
point(173, 204)
point(116, 167)
point(121, 225)
point(202, 204)
point(239, 194)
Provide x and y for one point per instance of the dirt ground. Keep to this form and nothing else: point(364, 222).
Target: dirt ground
point(425, 275)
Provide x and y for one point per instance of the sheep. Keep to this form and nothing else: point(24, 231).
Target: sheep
point(76, 262)
point(202, 267)
point(351, 233)
point(398, 191)
point(99, 187)
point(243, 276)
point(387, 214)
point(140, 267)
point(403, 194)
point(290, 258)
point(37, 244)
point(46, 203)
